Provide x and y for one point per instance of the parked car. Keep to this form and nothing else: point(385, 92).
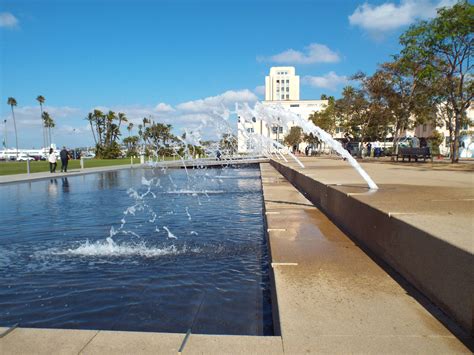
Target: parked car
point(24, 157)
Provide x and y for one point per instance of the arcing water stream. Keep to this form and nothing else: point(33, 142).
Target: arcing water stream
point(278, 115)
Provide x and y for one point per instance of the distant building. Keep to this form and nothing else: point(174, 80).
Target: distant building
point(426, 130)
point(282, 87)
point(282, 84)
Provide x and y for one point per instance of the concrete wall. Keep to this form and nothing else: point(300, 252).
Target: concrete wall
point(438, 269)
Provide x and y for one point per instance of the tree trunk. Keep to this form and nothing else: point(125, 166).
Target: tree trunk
point(16, 134)
point(93, 133)
point(42, 126)
point(395, 143)
point(457, 128)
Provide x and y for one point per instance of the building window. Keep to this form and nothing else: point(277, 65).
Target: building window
point(280, 129)
point(287, 81)
point(250, 130)
point(282, 97)
point(287, 89)
point(278, 81)
point(287, 96)
point(295, 105)
point(254, 119)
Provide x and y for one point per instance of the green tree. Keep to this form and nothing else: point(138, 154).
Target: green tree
point(435, 140)
point(91, 119)
point(228, 143)
point(48, 123)
point(129, 128)
point(326, 119)
point(352, 109)
point(41, 101)
point(12, 102)
point(158, 136)
point(294, 137)
point(132, 145)
point(443, 50)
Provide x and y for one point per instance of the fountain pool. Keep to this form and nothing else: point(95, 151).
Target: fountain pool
point(88, 252)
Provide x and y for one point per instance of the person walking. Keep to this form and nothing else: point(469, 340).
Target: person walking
point(64, 155)
point(52, 161)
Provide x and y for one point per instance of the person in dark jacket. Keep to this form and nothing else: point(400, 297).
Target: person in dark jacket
point(64, 155)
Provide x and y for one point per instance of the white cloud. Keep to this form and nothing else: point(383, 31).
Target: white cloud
point(162, 107)
point(259, 90)
point(390, 16)
point(314, 53)
point(8, 20)
point(207, 113)
point(226, 100)
point(211, 116)
point(330, 81)
point(26, 115)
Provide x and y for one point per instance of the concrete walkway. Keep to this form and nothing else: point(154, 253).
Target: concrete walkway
point(5, 179)
point(170, 164)
point(420, 222)
point(332, 297)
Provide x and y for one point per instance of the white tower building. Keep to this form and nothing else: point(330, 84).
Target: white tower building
point(282, 84)
point(282, 87)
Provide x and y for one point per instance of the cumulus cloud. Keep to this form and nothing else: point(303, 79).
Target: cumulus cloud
point(8, 20)
point(211, 116)
point(206, 113)
point(390, 16)
point(330, 81)
point(29, 124)
point(259, 90)
point(314, 53)
point(162, 107)
point(226, 100)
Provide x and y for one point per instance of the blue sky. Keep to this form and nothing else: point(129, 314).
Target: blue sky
point(177, 60)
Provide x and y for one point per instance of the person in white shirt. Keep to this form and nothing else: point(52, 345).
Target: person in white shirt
point(52, 161)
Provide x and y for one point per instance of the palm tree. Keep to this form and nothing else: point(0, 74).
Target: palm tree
point(129, 128)
point(12, 102)
point(91, 118)
point(41, 101)
point(48, 123)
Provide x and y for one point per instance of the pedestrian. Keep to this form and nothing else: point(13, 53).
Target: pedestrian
point(52, 161)
point(218, 155)
point(369, 148)
point(64, 155)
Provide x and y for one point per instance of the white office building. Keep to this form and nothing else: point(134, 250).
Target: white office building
point(282, 87)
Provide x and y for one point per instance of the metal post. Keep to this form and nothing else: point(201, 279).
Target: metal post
point(131, 161)
point(28, 164)
point(82, 163)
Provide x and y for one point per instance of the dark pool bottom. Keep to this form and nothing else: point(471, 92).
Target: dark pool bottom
point(185, 251)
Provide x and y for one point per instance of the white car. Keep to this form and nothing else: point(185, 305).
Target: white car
point(24, 157)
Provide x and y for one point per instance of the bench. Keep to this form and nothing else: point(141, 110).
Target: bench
point(416, 153)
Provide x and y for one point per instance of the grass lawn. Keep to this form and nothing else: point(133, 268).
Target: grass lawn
point(13, 167)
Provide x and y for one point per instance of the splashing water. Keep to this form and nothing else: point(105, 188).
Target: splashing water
point(108, 248)
point(277, 114)
point(170, 235)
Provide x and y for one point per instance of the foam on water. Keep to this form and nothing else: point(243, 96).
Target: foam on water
point(109, 248)
point(195, 192)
